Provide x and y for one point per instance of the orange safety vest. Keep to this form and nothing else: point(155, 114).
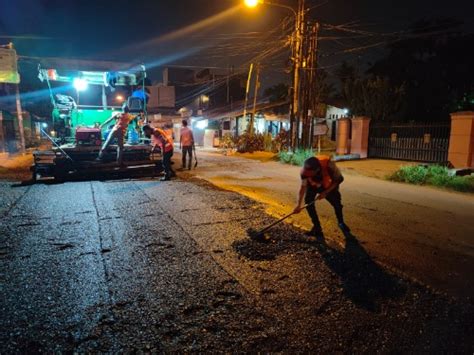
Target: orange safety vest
point(165, 141)
point(327, 180)
point(324, 160)
point(123, 121)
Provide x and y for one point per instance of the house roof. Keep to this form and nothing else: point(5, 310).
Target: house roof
point(238, 109)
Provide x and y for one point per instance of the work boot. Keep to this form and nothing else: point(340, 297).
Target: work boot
point(165, 178)
point(344, 228)
point(315, 232)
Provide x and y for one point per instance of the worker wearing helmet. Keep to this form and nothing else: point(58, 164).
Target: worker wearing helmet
point(118, 131)
point(165, 142)
point(320, 179)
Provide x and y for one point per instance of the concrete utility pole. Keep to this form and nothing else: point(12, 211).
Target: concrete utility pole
point(298, 39)
point(310, 96)
point(247, 90)
point(254, 111)
point(19, 113)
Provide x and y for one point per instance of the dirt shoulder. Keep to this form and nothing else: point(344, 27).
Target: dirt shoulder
point(376, 168)
point(15, 167)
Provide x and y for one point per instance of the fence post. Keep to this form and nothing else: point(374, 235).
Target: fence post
point(461, 140)
point(342, 140)
point(360, 136)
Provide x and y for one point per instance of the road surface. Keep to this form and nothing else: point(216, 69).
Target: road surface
point(141, 265)
point(423, 232)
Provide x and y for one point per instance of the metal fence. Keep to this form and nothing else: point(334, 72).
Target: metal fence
point(425, 142)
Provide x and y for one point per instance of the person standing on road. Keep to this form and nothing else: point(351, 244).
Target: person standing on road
point(166, 145)
point(186, 143)
point(118, 131)
point(320, 179)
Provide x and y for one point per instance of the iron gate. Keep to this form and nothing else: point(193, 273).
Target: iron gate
point(426, 142)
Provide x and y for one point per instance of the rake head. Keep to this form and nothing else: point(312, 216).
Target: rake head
point(258, 236)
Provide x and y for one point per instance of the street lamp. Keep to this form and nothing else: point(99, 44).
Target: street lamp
point(297, 57)
point(254, 3)
point(251, 3)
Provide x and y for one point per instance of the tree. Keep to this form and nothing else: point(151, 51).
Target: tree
point(278, 93)
point(434, 68)
point(373, 96)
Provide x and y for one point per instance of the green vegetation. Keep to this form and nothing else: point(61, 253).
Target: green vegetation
point(296, 158)
point(433, 175)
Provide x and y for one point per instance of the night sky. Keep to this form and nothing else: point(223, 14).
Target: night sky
point(114, 29)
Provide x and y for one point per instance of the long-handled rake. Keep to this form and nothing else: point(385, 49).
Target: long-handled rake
point(259, 235)
point(195, 157)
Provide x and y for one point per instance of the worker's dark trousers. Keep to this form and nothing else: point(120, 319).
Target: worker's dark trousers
point(115, 133)
point(334, 198)
point(187, 150)
point(167, 164)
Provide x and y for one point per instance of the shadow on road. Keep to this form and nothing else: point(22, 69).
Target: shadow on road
point(363, 281)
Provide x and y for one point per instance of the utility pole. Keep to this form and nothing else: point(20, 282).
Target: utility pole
point(309, 96)
point(228, 86)
point(247, 89)
point(298, 39)
point(315, 97)
point(254, 111)
point(19, 113)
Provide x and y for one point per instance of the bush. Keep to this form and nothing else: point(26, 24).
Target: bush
point(433, 175)
point(247, 143)
point(412, 174)
point(227, 141)
point(281, 141)
point(268, 142)
point(295, 158)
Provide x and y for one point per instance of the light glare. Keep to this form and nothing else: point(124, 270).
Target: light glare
point(80, 84)
point(251, 3)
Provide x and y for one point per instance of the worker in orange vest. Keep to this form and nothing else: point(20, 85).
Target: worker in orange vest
point(165, 142)
point(118, 131)
point(320, 179)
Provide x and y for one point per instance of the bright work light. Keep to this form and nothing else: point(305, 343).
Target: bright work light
point(202, 124)
point(80, 84)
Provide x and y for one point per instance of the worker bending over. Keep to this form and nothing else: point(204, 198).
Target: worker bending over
point(321, 178)
point(186, 143)
point(118, 131)
point(161, 139)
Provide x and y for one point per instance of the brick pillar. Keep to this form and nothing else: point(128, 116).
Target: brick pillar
point(461, 141)
point(342, 139)
point(360, 136)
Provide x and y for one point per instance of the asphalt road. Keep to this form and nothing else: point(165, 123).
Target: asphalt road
point(151, 266)
point(422, 232)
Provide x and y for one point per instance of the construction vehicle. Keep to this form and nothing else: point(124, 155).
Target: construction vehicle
point(76, 134)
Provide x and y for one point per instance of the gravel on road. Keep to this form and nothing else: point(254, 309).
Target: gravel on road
point(141, 265)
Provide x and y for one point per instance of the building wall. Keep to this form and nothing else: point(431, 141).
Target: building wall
point(332, 115)
point(161, 96)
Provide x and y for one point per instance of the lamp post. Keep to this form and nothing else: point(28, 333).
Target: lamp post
point(297, 46)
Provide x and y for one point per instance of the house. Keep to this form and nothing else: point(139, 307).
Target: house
point(10, 133)
point(335, 110)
